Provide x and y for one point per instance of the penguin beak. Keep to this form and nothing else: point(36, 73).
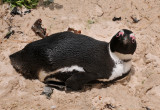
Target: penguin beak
point(125, 40)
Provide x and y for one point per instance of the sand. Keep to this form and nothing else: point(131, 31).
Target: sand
point(140, 91)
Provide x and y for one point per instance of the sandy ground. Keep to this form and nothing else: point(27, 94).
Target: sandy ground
point(141, 91)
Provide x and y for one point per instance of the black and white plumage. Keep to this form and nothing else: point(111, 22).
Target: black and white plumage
point(75, 59)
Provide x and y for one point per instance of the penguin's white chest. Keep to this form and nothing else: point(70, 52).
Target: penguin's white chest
point(119, 69)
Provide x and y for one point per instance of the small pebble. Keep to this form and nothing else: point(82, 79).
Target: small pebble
point(116, 19)
point(53, 107)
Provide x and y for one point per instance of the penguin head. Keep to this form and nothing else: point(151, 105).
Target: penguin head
point(123, 42)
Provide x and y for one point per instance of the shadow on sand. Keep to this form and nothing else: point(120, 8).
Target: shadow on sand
point(50, 5)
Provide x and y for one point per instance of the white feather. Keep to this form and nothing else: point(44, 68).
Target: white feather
point(44, 74)
point(120, 67)
point(122, 56)
point(70, 69)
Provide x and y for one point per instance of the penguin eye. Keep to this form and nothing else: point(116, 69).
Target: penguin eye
point(133, 37)
point(133, 41)
point(121, 33)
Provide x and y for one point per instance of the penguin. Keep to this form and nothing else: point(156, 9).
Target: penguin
point(76, 59)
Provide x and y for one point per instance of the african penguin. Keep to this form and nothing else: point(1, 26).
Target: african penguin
point(75, 59)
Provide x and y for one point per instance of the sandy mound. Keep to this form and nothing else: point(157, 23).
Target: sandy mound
point(93, 18)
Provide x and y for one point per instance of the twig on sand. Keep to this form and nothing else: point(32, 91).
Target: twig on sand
point(20, 41)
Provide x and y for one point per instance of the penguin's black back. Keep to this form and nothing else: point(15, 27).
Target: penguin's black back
point(66, 49)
